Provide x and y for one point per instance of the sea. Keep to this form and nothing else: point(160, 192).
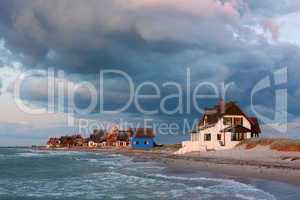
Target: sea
point(48, 175)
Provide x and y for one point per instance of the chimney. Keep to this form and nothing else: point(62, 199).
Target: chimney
point(222, 105)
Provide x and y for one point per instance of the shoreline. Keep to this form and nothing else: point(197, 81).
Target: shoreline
point(237, 168)
point(241, 170)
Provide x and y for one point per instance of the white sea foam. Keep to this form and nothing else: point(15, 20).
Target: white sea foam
point(118, 197)
point(181, 187)
point(33, 153)
point(91, 160)
point(93, 185)
point(225, 186)
point(27, 154)
point(244, 197)
point(3, 191)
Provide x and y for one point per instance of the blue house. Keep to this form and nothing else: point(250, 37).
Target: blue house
point(143, 139)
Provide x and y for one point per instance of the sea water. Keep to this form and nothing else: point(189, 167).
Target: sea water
point(29, 174)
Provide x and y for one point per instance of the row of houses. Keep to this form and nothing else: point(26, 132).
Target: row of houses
point(66, 141)
point(140, 138)
point(221, 127)
point(55, 142)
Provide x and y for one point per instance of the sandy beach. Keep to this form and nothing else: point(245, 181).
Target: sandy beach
point(276, 168)
point(258, 163)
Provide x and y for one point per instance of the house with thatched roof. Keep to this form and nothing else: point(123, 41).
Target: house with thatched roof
point(221, 127)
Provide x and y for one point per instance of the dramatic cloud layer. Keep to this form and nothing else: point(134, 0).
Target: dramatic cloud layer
point(239, 41)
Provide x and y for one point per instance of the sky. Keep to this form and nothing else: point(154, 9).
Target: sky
point(237, 43)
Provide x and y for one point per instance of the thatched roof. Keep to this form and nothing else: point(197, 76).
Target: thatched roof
point(230, 108)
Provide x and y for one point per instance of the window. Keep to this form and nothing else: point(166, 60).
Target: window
point(227, 121)
point(238, 121)
point(219, 137)
point(137, 142)
point(237, 136)
point(207, 137)
point(146, 142)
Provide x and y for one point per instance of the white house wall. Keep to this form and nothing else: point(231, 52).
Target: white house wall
point(215, 130)
point(197, 142)
point(246, 122)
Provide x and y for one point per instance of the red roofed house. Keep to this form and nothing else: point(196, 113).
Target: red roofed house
point(53, 143)
point(221, 127)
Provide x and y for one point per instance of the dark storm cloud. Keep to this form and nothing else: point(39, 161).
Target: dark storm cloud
point(101, 34)
point(152, 40)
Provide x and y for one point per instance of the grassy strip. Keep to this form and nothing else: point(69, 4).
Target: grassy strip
point(275, 144)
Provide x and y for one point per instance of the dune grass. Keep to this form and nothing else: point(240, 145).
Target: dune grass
point(274, 144)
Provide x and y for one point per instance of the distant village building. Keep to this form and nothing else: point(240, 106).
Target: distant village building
point(102, 144)
point(79, 141)
point(221, 127)
point(142, 138)
point(123, 139)
point(97, 139)
point(92, 144)
point(53, 143)
point(122, 144)
point(114, 138)
point(137, 139)
point(71, 141)
point(98, 136)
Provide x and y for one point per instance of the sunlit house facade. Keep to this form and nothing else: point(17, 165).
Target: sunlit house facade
point(221, 127)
